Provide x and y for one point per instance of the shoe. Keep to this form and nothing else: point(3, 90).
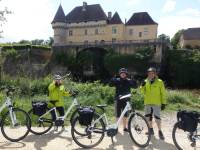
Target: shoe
point(161, 136)
point(56, 129)
point(126, 130)
point(151, 132)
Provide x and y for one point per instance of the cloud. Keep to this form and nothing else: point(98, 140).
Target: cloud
point(169, 6)
point(131, 3)
point(30, 20)
point(169, 25)
point(191, 12)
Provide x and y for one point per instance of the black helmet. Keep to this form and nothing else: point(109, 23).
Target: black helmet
point(123, 70)
point(152, 69)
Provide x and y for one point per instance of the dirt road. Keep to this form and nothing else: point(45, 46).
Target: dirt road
point(63, 140)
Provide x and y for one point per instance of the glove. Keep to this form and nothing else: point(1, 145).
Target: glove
point(163, 106)
point(143, 83)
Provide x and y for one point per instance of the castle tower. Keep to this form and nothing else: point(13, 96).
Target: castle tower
point(59, 26)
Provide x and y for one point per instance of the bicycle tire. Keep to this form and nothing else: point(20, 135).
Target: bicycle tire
point(27, 124)
point(48, 121)
point(102, 132)
point(184, 135)
point(139, 130)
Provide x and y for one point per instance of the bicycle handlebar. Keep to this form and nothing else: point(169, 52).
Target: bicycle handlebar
point(125, 96)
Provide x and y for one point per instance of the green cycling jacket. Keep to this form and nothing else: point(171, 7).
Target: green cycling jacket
point(57, 94)
point(154, 93)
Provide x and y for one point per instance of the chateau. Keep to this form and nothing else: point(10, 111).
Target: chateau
point(89, 24)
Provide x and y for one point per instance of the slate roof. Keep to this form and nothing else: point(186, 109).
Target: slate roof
point(191, 34)
point(141, 18)
point(60, 15)
point(116, 19)
point(92, 13)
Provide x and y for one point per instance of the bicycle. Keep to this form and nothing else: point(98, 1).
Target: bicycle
point(187, 137)
point(13, 120)
point(44, 122)
point(137, 126)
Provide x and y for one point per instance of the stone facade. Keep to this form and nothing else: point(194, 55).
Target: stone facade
point(190, 38)
point(79, 26)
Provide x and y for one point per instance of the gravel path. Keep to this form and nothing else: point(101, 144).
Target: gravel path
point(63, 140)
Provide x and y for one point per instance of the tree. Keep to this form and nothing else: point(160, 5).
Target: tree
point(176, 38)
point(24, 42)
point(37, 42)
point(164, 37)
point(3, 14)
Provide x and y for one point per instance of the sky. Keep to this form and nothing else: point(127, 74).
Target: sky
point(31, 19)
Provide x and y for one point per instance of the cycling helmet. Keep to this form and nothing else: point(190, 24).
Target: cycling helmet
point(151, 69)
point(123, 70)
point(57, 77)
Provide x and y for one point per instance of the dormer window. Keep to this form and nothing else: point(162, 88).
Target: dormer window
point(96, 31)
point(70, 33)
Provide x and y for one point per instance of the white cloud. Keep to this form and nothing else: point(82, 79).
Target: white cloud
point(131, 3)
point(169, 25)
point(190, 12)
point(169, 6)
point(30, 20)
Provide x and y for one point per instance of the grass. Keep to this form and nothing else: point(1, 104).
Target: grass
point(93, 94)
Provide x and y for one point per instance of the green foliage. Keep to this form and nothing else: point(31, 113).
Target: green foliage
point(64, 58)
point(176, 38)
point(138, 61)
point(184, 68)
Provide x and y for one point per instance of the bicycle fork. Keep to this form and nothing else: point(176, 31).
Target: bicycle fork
point(13, 117)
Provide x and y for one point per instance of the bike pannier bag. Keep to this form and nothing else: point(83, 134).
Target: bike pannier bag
point(39, 107)
point(85, 115)
point(188, 120)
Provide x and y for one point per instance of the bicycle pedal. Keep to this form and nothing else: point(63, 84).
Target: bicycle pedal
point(193, 144)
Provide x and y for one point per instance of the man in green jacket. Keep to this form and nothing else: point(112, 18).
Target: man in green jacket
point(56, 96)
point(154, 93)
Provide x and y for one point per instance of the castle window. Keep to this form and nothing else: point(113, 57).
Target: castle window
point(85, 31)
point(130, 31)
point(70, 32)
point(96, 31)
point(145, 31)
point(140, 34)
point(114, 30)
point(114, 40)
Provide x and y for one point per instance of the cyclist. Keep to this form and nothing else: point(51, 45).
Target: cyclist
point(56, 96)
point(154, 93)
point(123, 85)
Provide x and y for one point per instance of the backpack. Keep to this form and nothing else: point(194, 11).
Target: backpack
point(39, 107)
point(85, 115)
point(188, 120)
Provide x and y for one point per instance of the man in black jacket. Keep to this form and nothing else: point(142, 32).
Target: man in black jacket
point(123, 86)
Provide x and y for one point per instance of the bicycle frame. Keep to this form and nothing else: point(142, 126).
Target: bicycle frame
point(73, 104)
point(8, 104)
point(115, 126)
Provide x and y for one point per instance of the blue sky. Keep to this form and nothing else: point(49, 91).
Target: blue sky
point(31, 19)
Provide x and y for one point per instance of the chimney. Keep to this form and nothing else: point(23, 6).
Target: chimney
point(109, 15)
point(84, 6)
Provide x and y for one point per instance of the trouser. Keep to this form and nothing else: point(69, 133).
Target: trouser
point(60, 111)
point(151, 110)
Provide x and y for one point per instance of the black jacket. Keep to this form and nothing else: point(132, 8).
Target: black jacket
point(123, 86)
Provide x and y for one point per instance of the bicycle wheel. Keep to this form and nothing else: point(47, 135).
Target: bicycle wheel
point(90, 136)
point(138, 129)
point(40, 124)
point(182, 139)
point(15, 125)
point(72, 118)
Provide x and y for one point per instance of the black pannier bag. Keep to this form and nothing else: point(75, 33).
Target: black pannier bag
point(39, 107)
point(86, 115)
point(188, 120)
